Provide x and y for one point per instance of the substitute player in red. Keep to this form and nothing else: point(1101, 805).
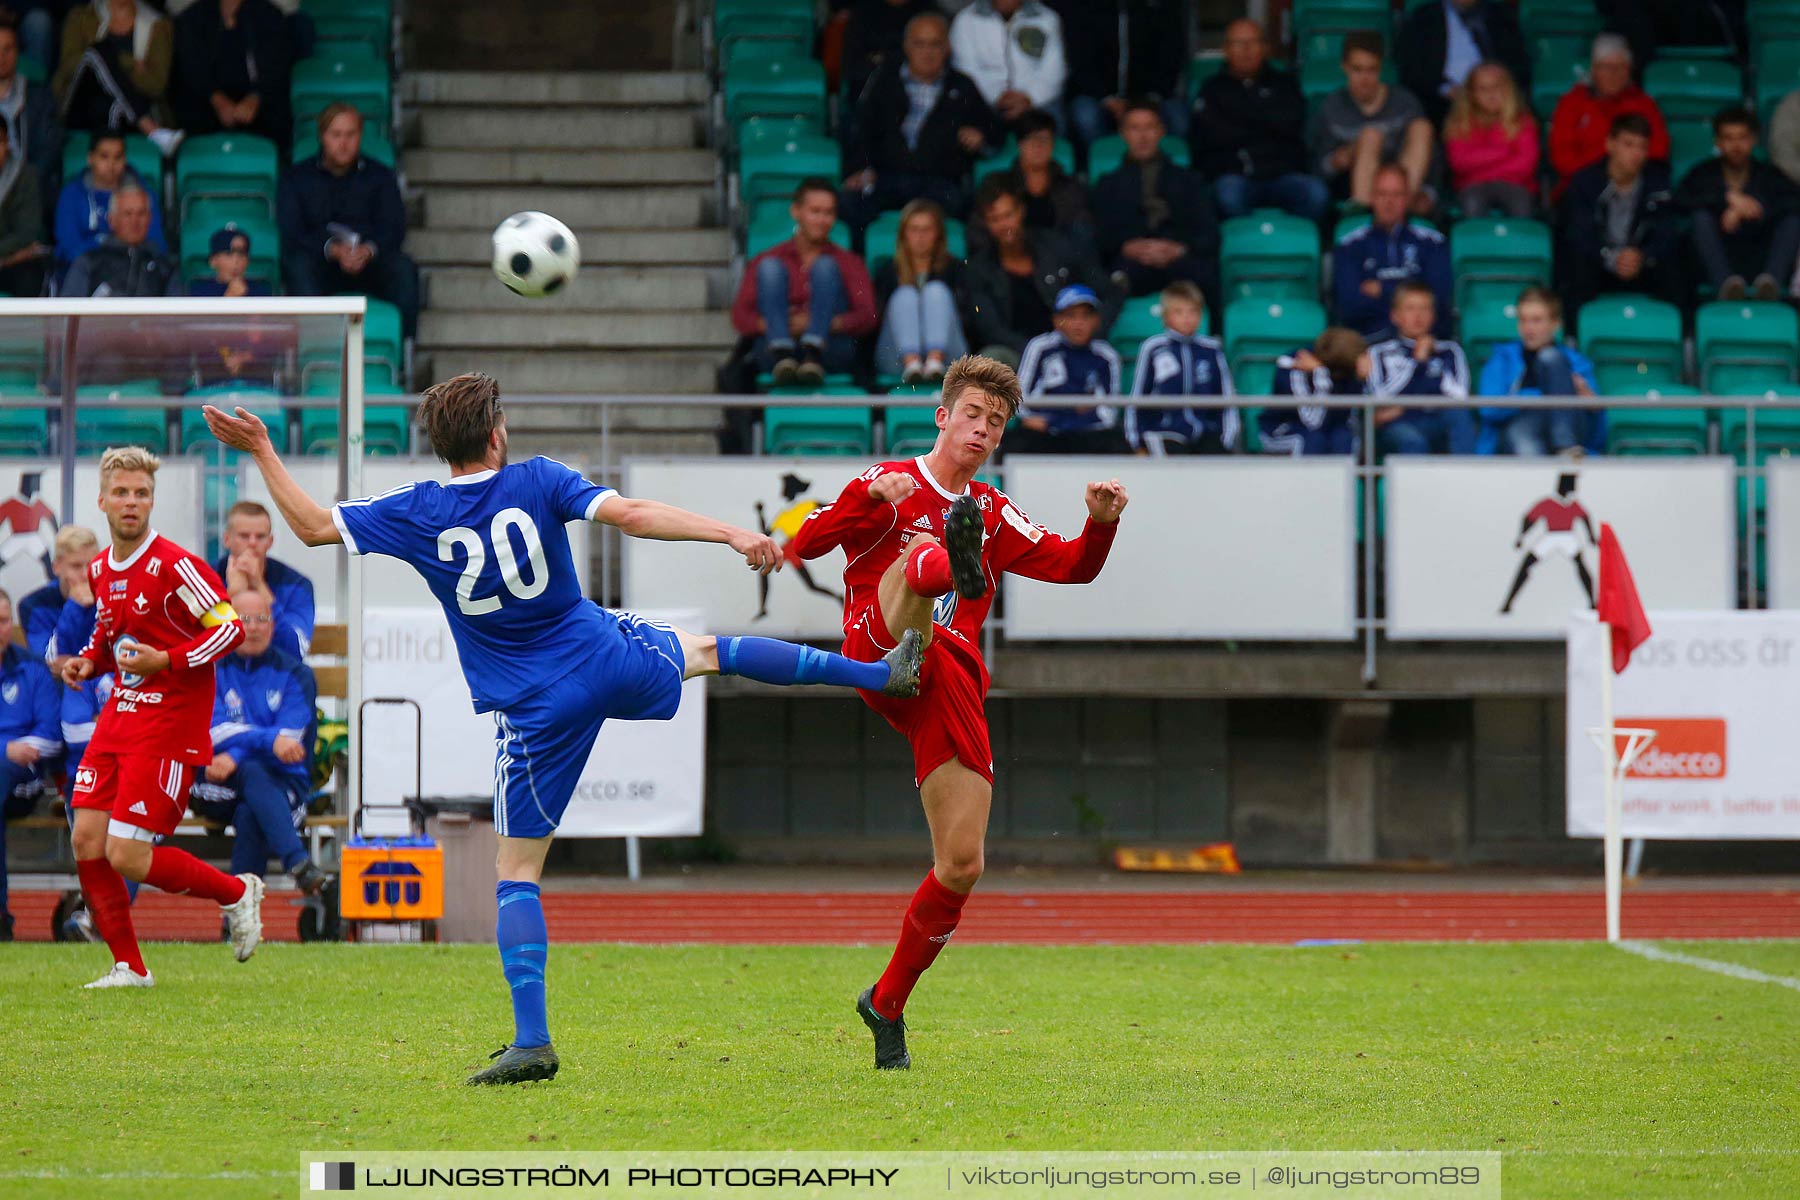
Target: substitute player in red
point(161, 621)
point(926, 547)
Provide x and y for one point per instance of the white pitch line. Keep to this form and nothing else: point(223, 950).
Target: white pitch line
point(1750, 974)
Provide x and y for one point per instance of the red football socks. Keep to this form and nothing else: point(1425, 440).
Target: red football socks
point(928, 569)
point(930, 920)
point(176, 871)
point(109, 904)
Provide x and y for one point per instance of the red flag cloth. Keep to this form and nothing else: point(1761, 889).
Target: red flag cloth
point(1618, 605)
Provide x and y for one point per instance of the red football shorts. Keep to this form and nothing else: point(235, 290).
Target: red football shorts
point(146, 795)
point(948, 718)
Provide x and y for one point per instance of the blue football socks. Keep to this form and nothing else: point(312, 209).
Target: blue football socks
point(524, 946)
point(785, 663)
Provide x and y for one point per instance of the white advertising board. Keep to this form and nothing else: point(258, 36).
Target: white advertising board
point(1783, 536)
point(1722, 692)
point(1505, 548)
point(33, 493)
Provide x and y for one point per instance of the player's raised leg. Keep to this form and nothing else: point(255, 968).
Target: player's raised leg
point(789, 664)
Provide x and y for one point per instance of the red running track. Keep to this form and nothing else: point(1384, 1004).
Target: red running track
point(1065, 917)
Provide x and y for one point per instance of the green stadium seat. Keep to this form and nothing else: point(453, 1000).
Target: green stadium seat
point(775, 21)
point(1139, 318)
point(910, 427)
point(1634, 333)
point(766, 230)
point(370, 25)
point(209, 216)
point(387, 428)
point(1269, 256)
point(375, 144)
point(1558, 62)
point(240, 165)
point(1693, 89)
point(1744, 346)
point(141, 155)
point(1200, 68)
point(1063, 153)
point(742, 50)
point(773, 170)
point(98, 425)
point(1690, 143)
point(1498, 257)
point(883, 235)
point(1352, 221)
point(1341, 16)
point(849, 430)
point(1105, 155)
point(776, 87)
point(1558, 18)
point(1657, 431)
point(194, 437)
point(1772, 21)
point(384, 353)
point(24, 432)
point(1481, 327)
point(1777, 73)
point(362, 82)
point(1257, 332)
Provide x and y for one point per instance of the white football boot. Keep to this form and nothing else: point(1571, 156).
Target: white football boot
point(122, 975)
point(246, 918)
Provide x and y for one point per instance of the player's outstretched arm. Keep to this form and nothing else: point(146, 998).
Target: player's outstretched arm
point(1034, 552)
point(659, 522)
point(310, 521)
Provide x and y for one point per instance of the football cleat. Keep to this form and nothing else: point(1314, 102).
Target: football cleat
point(310, 879)
point(890, 1036)
point(246, 918)
point(518, 1064)
point(963, 534)
point(120, 976)
point(904, 662)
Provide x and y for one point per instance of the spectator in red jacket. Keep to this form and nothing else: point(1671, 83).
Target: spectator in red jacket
point(1585, 114)
point(806, 288)
point(1491, 143)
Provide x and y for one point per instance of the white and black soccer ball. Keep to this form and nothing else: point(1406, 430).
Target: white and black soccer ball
point(535, 254)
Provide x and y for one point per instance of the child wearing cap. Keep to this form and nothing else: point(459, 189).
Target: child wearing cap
point(228, 254)
point(1180, 361)
point(1069, 361)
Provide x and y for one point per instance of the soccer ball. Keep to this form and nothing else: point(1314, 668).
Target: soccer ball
point(534, 253)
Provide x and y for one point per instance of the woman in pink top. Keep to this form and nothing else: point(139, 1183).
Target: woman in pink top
point(1491, 143)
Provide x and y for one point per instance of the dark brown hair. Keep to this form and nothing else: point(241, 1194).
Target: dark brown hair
point(1369, 41)
point(459, 415)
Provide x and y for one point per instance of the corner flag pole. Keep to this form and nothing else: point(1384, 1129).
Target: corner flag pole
point(1624, 626)
point(1609, 760)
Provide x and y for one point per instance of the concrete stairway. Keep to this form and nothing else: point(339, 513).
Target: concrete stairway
point(616, 156)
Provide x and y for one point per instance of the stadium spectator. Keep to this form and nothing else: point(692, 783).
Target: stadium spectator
point(234, 61)
point(81, 705)
point(872, 37)
point(81, 210)
point(260, 777)
point(1013, 282)
point(342, 222)
point(919, 291)
point(246, 566)
point(1248, 132)
point(23, 254)
point(1122, 48)
point(228, 257)
point(1154, 219)
point(29, 729)
point(113, 74)
point(1013, 50)
point(1619, 231)
point(919, 124)
point(1181, 361)
point(1069, 361)
point(1367, 123)
point(32, 123)
point(1649, 24)
point(1441, 43)
point(1054, 199)
point(1584, 116)
point(1746, 214)
point(1538, 364)
point(125, 263)
point(1370, 262)
point(1784, 136)
point(1336, 364)
point(806, 289)
point(39, 610)
point(1412, 365)
point(1491, 145)
point(37, 22)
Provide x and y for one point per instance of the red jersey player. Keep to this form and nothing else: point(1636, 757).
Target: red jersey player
point(926, 546)
point(161, 620)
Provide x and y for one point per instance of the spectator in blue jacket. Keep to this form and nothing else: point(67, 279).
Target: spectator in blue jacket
point(1538, 364)
point(29, 730)
point(81, 210)
point(261, 774)
point(342, 222)
point(1370, 262)
point(1069, 361)
point(1413, 365)
point(39, 610)
point(1336, 364)
point(1155, 220)
point(246, 566)
point(1180, 361)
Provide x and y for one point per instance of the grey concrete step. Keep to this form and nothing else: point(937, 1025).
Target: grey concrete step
point(561, 168)
point(558, 128)
point(472, 245)
point(596, 289)
point(579, 372)
point(584, 419)
point(634, 89)
point(563, 445)
point(543, 329)
point(677, 207)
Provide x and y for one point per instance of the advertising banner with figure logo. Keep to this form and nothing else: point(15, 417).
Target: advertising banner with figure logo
point(1505, 549)
point(1783, 537)
point(645, 778)
point(1721, 691)
point(774, 495)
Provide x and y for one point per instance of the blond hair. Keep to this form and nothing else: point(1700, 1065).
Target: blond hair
point(128, 458)
point(76, 539)
point(984, 375)
point(1461, 121)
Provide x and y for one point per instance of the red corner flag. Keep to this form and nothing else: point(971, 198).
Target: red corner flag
point(1619, 605)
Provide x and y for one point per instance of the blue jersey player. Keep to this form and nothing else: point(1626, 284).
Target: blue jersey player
point(549, 664)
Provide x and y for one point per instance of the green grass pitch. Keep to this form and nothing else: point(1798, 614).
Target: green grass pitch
point(1597, 1073)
